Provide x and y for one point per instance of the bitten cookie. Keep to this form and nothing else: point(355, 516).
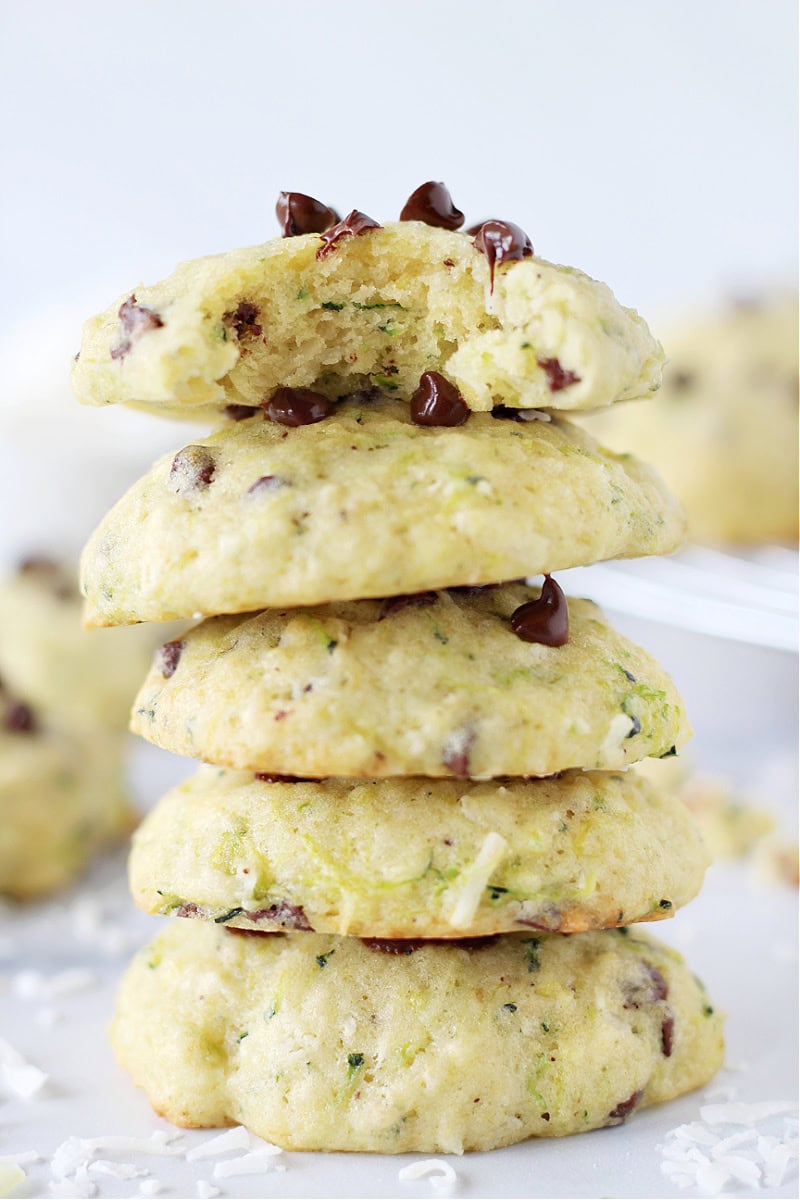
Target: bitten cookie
point(438, 684)
point(723, 432)
point(377, 309)
point(61, 799)
point(323, 1043)
point(365, 503)
point(417, 858)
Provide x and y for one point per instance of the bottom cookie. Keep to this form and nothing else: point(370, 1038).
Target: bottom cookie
point(323, 1043)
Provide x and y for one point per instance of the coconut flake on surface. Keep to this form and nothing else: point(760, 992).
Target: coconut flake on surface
point(206, 1190)
point(441, 1176)
point(259, 1162)
point(18, 1077)
point(35, 985)
point(237, 1138)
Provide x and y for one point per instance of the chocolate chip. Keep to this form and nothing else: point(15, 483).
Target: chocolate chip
point(626, 1107)
point(254, 932)
point(650, 988)
point(636, 727)
point(409, 945)
point(298, 406)
point(267, 483)
point(192, 470)
point(503, 412)
point(456, 754)
point(135, 319)
point(285, 914)
point(298, 214)
point(501, 242)
point(240, 412)
point(545, 620)
point(437, 402)
point(432, 204)
point(557, 377)
point(168, 656)
point(397, 603)
point(268, 777)
point(19, 719)
point(189, 910)
point(49, 574)
point(667, 1032)
point(353, 225)
point(243, 320)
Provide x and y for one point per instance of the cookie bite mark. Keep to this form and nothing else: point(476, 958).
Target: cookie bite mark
point(243, 320)
point(298, 406)
point(437, 402)
point(545, 620)
point(432, 204)
point(135, 319)
point(501, 242)
point(168, 656)
point(192, 470)
point(557, 377)
point(298, 214)
point(354, 225)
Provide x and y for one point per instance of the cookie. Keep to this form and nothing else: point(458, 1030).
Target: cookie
point(83, 679)
point(324, 1043)
point(435, 685)
point(61, 799)
point(417, 858)
point(365, 503)
point(723, 432)
point(377, 311)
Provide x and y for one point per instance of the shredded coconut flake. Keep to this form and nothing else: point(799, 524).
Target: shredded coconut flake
point(34, 985)
point(18, 1077)
point(205, 1190)
point(441, 1175)
point(237, 1138)
point(102, 1166)
point(738, 1113)
point(257, 1163)
point(475, 879)
point(23, 1159)
point(150, 1187)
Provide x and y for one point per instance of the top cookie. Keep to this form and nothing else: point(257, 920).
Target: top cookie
point(374, 308)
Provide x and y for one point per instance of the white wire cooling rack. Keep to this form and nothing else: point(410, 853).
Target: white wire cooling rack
point(750, 597)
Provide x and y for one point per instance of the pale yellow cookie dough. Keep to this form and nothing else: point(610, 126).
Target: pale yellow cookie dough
point(380, 310)
point(723, 431)
point(321, 1043)
point(444, 688)
point(413, 858)
point(365, 503)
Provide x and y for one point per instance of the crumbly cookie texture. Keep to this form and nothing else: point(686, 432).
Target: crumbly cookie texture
point(417, 858)
point(723, 432)
point(438, 686)
point(380, 310)
point(365, 503)
point(61, 799)
point(85, 680)
point(322, 1043)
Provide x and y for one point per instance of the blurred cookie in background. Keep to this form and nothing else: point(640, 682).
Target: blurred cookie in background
point(723, 429)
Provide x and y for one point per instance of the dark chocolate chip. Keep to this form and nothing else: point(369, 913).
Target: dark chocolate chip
point(254, 932)
point(189, 910)
point(409, 945)
point(626, 1107)
point(636, 727)
point(353, 225)
point(240, 412)
point(650, 988)
point(557, 377)
point(267, 483)
point(168, 656)
point(20, 719)
point(667, 1032)
point(545, 620)
point(456, 759)
point(192, 470)
point(269, 777)
point(432, 204)
point(437, 402)
point(298, 406)
point(135, 320)
point(397, 603)
point(298, 214)
point(242, 320)
point(503, 412)
point(501, 242)
point(285, 914)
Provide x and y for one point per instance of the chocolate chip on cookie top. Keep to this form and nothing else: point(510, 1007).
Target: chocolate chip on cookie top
point(135, 319)
point(501, 242)
point(192, 470)
point(437, 402)
point(432, 204)
point(298, 406)
point(168, 656)
point(354, 225)
point(545, 620)
point(298, 213)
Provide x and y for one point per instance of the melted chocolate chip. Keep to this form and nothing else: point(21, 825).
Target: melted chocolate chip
point(168, 656)
point(503, 412)
point(409, 945)
point(298, 214)
point(243, 321)
point(545, 620)
point(268, 777)
point(437, 402)
point(267, 483)
point(650, 988)
point(397, 603)
point(353, 225)
point(135, 320)
point(289, 916)
point(432, 204)
point(240, 412)
point(626, 1107)
point(189, 910)
point(667, 1032)
point(254, 932)
point(192, 470)
point(456, 756)
point(501, 242)
point(19, 719)
point(557, 377)
point(298, 406)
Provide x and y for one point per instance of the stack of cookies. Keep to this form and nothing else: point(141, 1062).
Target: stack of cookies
point(418, 784)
